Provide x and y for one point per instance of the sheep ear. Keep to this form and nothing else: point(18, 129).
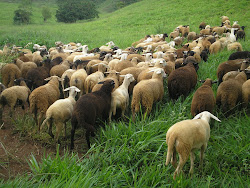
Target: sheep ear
point(47, 79)
point(215, 81)
point(201, 81)
point(198, 116)
point(214, 117)
point(101, 82)
point(122, 75)
point(67, 89)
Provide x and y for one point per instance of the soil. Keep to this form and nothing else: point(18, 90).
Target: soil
point(16, 148)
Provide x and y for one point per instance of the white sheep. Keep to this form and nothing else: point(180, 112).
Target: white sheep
point(120, 97)
point(186, 136)
point(107, 48)
point(60, 112)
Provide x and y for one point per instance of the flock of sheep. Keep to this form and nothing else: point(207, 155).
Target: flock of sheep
point(69, 81)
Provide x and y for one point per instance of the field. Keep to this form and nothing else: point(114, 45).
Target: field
point(126, 153)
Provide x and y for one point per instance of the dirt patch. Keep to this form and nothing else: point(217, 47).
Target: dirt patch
point(16, 148)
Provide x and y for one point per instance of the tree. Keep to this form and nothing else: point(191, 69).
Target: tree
point(71, 11)
point(46, 13)
point(23, 14)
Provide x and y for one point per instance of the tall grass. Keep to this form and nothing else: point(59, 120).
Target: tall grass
point(132, 154)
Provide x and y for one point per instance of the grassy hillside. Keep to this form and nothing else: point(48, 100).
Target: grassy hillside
point(128, 154)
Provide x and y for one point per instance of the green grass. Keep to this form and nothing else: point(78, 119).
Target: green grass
point(128, 154)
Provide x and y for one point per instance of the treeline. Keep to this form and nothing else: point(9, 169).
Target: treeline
point(68, 11)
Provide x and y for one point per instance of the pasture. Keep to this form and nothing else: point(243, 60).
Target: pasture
point(127, 153)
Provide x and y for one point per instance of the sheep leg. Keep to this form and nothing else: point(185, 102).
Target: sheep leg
point(87, 134)
point(59, 127)
point(64, 130)
point(40, 117)
point(182, 161)
point(1, 116)
point(174, 159)
point(50, 128)
point(192, 158)
point(202, 155)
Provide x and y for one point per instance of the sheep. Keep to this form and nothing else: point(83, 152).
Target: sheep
point(239, 55)
point(12, 95)
point(112, 75)
point(246, 93)
point(240, 34)
point(120, 97)
point(224, 18)
point(146, 92)
point(231, 65)
point(219, 30)
point(114, 62)
point(95, 77)
point(66, 76)
point(25, 67)
point(236, 25)
point(215, 47)
point(234, 46)
point(202, 25)
point(78, 79)
point(107, 48)
point(37, 75)
point(178, 40)
point(230, 75)
point(60, 112)
point(229, 93)
point(125, 64)
point(191, 36)
point(174, 34)
point(203, 98)
point(9, 73)
point(58, 70)
point(88, 108)
point(205, 32)
point(231, 37)
point(42, 97)
point(182, 80)
point(186, 136)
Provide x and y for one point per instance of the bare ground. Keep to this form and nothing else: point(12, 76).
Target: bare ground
point(16, 148)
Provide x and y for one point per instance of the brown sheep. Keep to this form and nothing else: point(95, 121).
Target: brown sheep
point(231, 65)
point(203, 99)
point(229, 93)
point(42, 97)
point(182, 80)
point(246, 93)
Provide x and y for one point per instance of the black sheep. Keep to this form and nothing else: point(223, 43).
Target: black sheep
point(89, 107)
point(239, 55)
point(182, 80)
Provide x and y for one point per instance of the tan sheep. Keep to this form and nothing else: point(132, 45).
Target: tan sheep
point(78, 79)
point(185, 137)
point(235, 46)
point(246, 93)
point(147, 92)
point(42, 97)
point(9, 73)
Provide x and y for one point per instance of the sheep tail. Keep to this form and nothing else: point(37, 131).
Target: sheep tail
point(170, 140)
point(3, 101)
point(45, 121)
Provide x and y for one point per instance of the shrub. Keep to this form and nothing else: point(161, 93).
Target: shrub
point(22, 16)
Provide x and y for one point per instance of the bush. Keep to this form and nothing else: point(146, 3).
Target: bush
point(22, 16)
point(46, 13)
point(71, 11)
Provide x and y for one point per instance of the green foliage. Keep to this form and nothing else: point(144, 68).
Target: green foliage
point(71, 11)
point(46, 13)
point(23, 13)
point(123, 3)
point(22, 16)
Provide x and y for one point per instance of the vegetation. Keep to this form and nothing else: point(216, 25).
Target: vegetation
point(128, 154)
point(71, 11)
point(23, 13)
point(46, 13)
